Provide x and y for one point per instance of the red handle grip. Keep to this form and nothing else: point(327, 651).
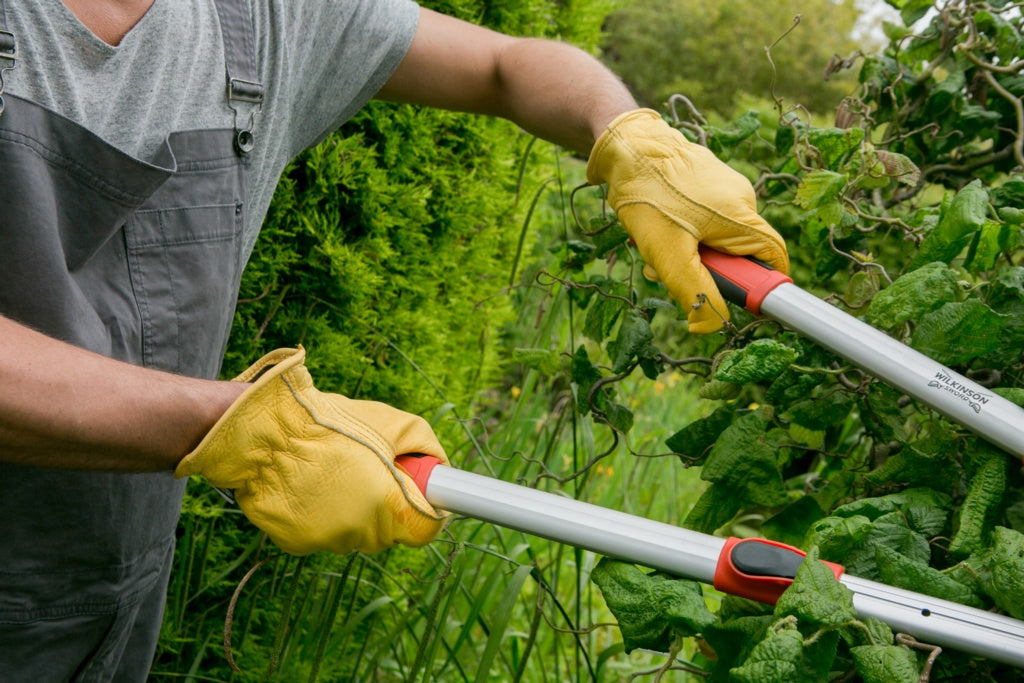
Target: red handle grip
point(760, 569)
point(418, 467)
point(742, 280)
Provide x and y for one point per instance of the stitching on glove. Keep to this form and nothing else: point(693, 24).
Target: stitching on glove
point(386, 461)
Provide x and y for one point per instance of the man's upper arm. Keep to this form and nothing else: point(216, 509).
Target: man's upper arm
point(451, 64)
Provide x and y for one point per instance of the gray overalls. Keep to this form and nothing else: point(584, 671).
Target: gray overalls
point(139, 261)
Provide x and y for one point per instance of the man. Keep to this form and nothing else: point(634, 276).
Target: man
point(133, 185)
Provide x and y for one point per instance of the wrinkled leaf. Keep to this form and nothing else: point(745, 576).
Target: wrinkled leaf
point(885, 664)
point(819, 412)
point(816, 597)
point(745, 459)
point(958, 332)
point(985, 493)
point(776, 659)
point(761, 359)
point(1003, 571)
point(876, 507)
point(837, 536)
point(652, 609)
point(912, 295)
point(902, 572)
point(717, 390)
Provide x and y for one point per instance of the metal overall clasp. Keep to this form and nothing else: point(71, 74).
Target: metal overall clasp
point(8, 58)
point(246, 99)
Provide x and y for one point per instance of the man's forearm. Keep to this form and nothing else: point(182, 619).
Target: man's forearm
point(559, 92)
point(61, 406)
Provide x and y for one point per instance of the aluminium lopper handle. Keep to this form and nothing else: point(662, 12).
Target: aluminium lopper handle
point(753, 568)
point(764, 291)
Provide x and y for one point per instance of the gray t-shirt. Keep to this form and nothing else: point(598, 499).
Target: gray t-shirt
point(319, 62)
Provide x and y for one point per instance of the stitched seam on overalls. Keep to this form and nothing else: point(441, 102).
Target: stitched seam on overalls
point(61, 161)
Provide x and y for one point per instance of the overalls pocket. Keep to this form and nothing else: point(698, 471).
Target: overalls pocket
point(185, 269)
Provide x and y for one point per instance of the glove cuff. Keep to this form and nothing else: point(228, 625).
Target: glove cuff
point(606, 149)
point(262, 372)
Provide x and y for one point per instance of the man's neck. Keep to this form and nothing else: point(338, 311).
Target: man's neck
point(109, 20)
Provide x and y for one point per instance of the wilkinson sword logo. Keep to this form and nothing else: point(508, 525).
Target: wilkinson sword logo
point(970, 395)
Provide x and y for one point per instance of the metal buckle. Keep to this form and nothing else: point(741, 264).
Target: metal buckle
point(241, 90)
point(8, 46)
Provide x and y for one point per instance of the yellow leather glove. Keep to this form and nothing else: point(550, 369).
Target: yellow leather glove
point(314, 470)
point(671, 195)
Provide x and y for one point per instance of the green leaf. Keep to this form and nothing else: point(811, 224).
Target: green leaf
point(875, 632)
point(837, 536)
point(874, 508)
point(835, 144)
point(902, 572)
point(721, 139)
point(618, 416)
point(1012, 394)
point(986, 491)
point(734, 638)
point(885, 664)
point(790, 525)
point(604, 311)
point(776, 659)
point(964, 215)
point(745, 459)
point(545, 361)
point(717, 390)
point(816, 597)
point(693, 440)
point(716, 506)
point(819, 188)
point(819, 412)
point(762, 359)
point(652, 609)
point(899, 167)
point(584, 374)
point(633, 341)
point(912, 295)
point(1002, 570)
point(991, 242)
point(609, 239)
point(578, 254)
point(958, 332)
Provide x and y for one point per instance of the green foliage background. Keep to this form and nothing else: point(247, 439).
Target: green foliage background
point(395, 236)
point(714, 52)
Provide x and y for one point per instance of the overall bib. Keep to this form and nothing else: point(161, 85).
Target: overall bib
point(139, 261)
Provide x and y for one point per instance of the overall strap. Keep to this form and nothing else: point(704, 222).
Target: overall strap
point(8, 52)
point(245, 92)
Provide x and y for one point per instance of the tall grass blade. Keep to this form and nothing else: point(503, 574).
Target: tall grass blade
point(500, 622)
